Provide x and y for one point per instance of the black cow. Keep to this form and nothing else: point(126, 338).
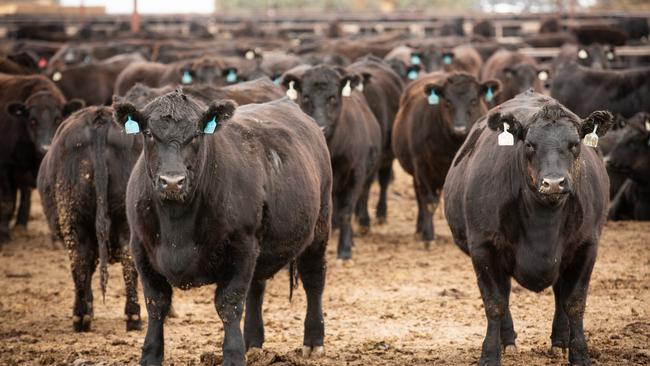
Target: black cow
point(595, 56)
point(516, 71)
point(382, 88)
point(630, 160)
point(31, 108)
point(436, 113)
point(624, 92)
point(353, 137)
point(229, 197)
point(533, 211)
point(82, 184)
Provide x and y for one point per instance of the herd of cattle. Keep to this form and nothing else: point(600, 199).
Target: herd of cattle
point(224, 161)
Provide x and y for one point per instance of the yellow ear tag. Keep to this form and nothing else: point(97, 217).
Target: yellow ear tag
point(291, 92)
point(505, 137)
point(57, 76)
point(347, 89)
point(591, 139)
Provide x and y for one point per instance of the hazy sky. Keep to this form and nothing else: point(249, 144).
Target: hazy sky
point(149, 6)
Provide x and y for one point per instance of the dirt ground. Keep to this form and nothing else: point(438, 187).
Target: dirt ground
point(397, 304)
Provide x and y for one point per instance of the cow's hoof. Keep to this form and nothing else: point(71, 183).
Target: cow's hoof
point(489, 362)
point(342, 262)
point(81, 324)
point(133, 322)
point(427, 244)
point(20, 229)
point(381, 221)
point(172, 312)
point(510, 349)
point(363, 230)
point(558, 351)
point(313, 352)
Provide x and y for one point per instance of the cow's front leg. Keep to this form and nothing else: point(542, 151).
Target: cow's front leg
point(494, 286)
point(573, 285)
point(231, 296)
point(158, 299)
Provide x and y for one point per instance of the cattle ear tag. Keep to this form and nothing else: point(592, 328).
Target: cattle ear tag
point(187, 78)
point(232, 76)
point(291, 92)
point(489, 95)
point(543, 75)
point(277, 80)
point(131, 127)
point(582, 54)
point(57, 76)
point(413, 74)
point(505, 137)
point(591, 139)
point(210, 126)
point(647, 125)
point(250, 54)
point(347, 89)
point(415, 60)
point(446, 59)
point(433, 98)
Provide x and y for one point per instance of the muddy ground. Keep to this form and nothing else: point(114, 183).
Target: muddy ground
point(397, 304)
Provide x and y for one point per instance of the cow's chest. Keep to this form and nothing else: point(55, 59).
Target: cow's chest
point(186, 264)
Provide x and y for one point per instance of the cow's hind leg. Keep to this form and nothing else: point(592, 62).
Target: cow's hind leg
point(363, 216)
point(24, 206)
point(385, 175)
point(311, 266)
point(254, 323)
point(7, 206)
point(132, 307)
point(83, 260)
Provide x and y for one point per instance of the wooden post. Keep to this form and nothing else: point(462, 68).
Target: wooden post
point(82, 14)
point(135, 18)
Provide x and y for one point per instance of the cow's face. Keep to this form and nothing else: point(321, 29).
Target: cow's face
point(208, 71)
point(175, 129)
point(595, 56)
point(631, 155)
point(550, 146)
point(522, 77)
point(320, 94)
point(42, 113)
point(461, 100)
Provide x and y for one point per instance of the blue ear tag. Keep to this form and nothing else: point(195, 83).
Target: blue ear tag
point(131, 127)
point(232, 76)
point(187, 78)
point(277, 80)
point(413, 74)
point(446, 59)
point(433, 98)
point(210, 126)
point(489, 95)
point(415, 60)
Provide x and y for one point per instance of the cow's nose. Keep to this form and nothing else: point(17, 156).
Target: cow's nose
point(172, 183)
point(553, 185)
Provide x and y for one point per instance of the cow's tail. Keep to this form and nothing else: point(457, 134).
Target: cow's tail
point(102, 219)
point(293, 278)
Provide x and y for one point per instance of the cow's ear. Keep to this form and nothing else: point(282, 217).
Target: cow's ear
point(496, 122)
point(490, 89)
point(17, 109)
point(599, 122)
point(288, 79)
point(73, 105)
point(218, 112)
point(433, 93)
point(127, 116)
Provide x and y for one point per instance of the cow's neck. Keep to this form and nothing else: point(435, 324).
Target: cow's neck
point(177, 221)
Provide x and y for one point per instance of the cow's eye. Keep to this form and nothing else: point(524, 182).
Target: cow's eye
point(574, 147)
point(530, 147)
point(331, 100)
point(474, 101)
point(147, 133)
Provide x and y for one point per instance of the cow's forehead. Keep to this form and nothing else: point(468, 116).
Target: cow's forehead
point(173, 112)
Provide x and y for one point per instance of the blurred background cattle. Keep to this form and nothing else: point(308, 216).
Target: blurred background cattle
point(402, 91)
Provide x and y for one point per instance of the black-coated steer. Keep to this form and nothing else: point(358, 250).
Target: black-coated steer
point(229, 196)
point(532, 209)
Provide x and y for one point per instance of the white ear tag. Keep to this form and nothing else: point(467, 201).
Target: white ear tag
point(250, 54)
point(582, 54)
point(543, 75)
point(591, 139)
point(347, 89)
point(291, 92)
point(647, 125)
point(57, 76)
point(505, 137)
point(360, 87)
